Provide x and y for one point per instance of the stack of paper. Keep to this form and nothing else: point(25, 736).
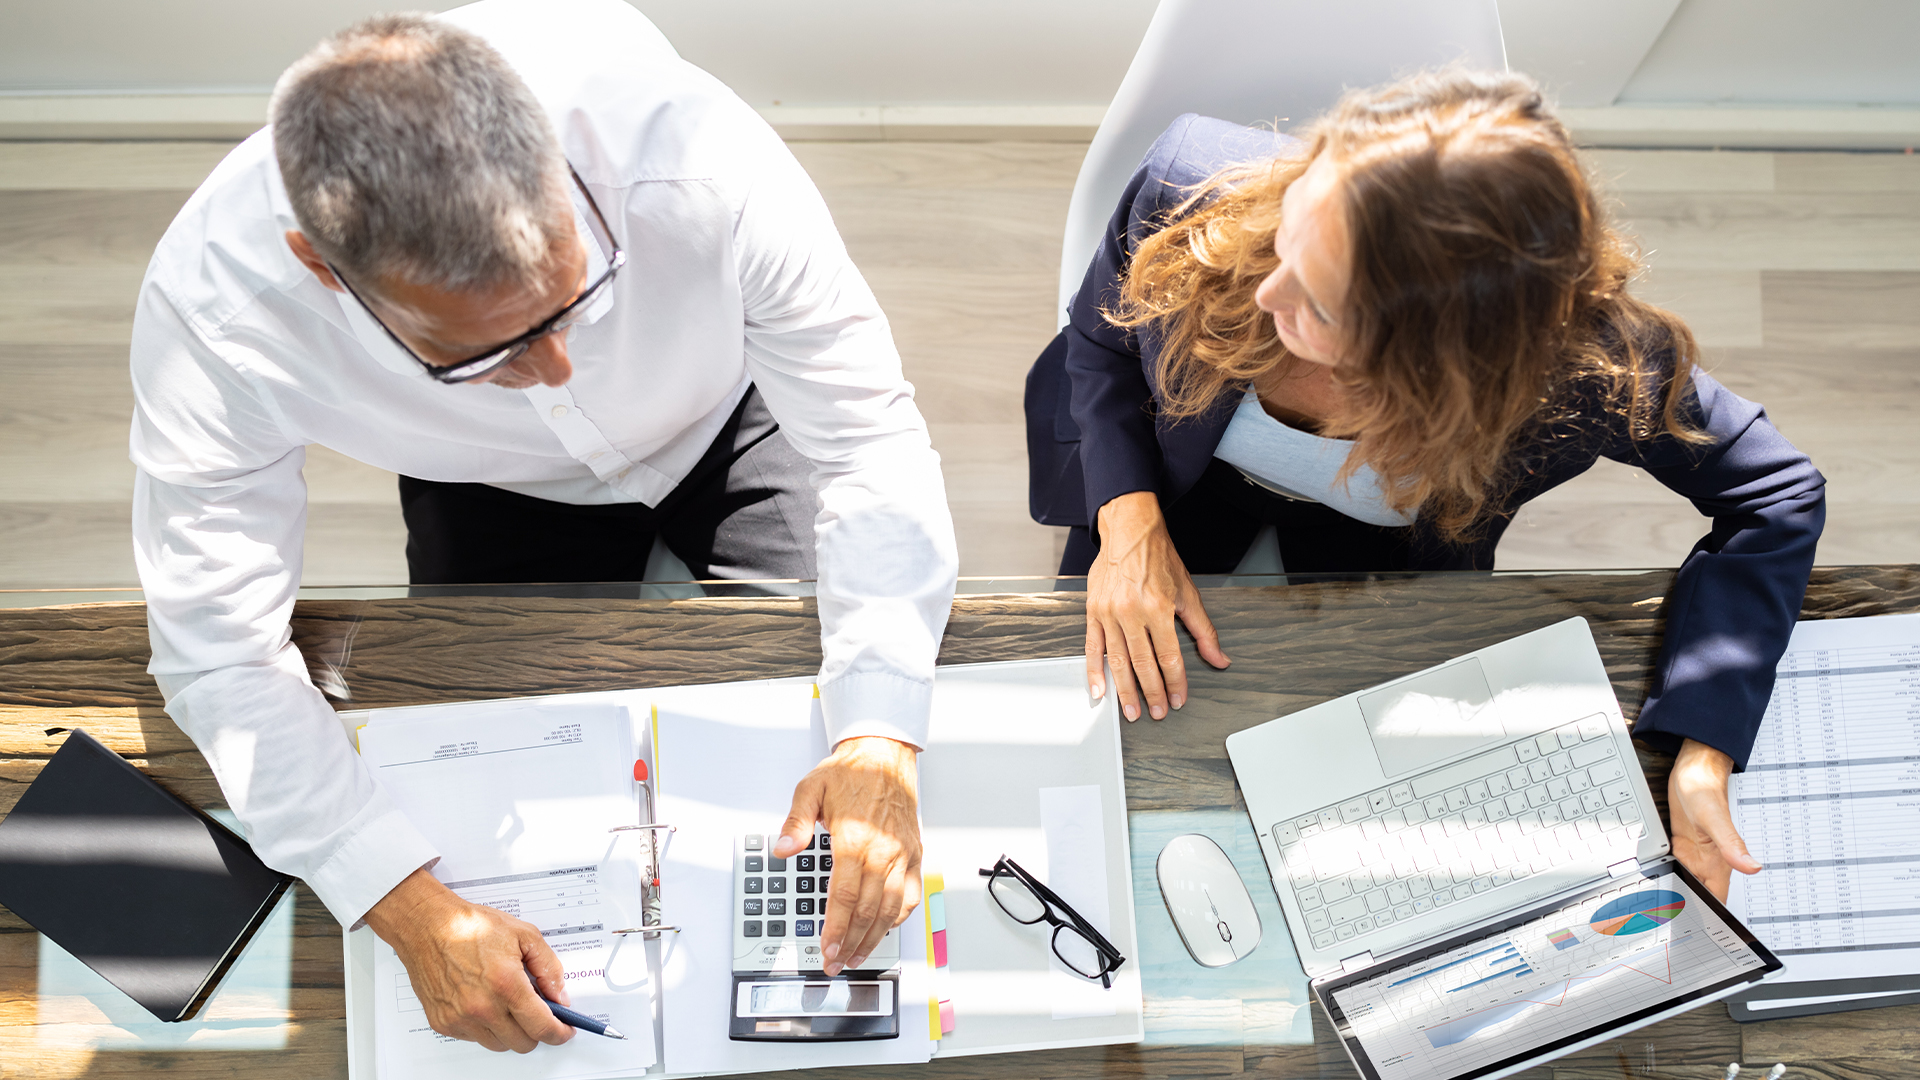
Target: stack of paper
point(519, 797)
point(1827, 804)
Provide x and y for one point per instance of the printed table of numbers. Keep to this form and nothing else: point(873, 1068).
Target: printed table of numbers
point(1830, 800)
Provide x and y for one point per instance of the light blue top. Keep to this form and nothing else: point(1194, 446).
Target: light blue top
point(1298, 465)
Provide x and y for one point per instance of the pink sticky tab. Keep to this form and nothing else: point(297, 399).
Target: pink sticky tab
point(946, 1018)
point(939, 948)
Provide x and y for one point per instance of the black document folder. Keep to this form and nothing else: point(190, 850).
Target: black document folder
point(154, 895)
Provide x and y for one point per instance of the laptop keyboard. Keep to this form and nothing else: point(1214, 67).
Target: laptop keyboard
point(1466, 828)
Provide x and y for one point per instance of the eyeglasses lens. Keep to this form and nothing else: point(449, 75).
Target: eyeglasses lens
point(1077, 952)
point(1015, 898)
point(473, 369)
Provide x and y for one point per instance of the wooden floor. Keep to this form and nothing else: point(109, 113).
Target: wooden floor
point(1800, 273)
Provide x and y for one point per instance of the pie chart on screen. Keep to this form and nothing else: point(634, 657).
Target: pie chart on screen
point(1638, 912)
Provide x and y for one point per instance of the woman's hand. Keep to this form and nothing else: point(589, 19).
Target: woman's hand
point(1136, 588)
point(1704, 839)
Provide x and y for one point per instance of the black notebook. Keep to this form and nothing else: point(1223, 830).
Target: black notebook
point(154, 895)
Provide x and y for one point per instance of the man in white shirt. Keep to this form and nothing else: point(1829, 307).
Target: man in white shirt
point(527, 258)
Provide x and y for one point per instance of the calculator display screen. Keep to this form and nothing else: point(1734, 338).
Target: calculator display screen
point(813, 999)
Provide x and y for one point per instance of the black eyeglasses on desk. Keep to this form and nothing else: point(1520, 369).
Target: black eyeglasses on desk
point(1028, 901)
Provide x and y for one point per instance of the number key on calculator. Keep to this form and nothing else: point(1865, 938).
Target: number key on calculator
point(780, 908)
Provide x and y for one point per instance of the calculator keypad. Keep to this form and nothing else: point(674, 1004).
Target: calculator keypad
point(765, 939)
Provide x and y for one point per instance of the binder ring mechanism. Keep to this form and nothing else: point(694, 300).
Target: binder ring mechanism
point(650, 924)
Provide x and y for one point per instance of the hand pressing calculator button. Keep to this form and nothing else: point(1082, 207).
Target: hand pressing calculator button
point(763, 885)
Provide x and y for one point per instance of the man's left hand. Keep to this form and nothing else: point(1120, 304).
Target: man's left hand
point(1704, 838)
point(867, 794)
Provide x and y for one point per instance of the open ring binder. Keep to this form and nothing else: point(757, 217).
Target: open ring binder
point(650, 884)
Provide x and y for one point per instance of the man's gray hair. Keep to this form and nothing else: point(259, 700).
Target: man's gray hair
point(412, 152)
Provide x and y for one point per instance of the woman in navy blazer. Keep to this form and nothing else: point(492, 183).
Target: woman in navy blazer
point(1123, 425)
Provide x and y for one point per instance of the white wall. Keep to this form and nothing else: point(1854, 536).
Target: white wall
point(1771, 52)
point(797, 52)
point(989, 52)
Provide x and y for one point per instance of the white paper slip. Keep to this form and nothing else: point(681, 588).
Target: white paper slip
point(1830, 803)
point(519, 800)
point(1077, 871)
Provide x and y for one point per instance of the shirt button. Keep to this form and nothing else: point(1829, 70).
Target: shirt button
point(559, 410)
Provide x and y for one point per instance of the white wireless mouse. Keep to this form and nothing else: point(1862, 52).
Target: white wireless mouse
point(1208, 902)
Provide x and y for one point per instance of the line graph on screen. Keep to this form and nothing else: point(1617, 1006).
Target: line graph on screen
point(1461, 1029)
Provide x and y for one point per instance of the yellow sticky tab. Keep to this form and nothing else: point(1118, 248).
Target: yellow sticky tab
point(932, 883)
point(933, 997)
point(816, 689)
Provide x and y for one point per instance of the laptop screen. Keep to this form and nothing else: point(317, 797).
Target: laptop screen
point(1491, 999)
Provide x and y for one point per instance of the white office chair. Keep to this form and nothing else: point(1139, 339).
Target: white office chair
point(1259, 61)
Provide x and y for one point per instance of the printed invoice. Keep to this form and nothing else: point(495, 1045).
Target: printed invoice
point(519, 799)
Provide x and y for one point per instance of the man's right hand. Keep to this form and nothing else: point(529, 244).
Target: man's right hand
point(469, 965)
point(1136, 588)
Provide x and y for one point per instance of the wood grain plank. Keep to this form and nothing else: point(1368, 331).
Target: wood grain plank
point(107, 166)
point(83, 228)
point(1863, 309)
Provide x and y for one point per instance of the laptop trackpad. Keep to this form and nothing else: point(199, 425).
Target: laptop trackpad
point(1431, 717)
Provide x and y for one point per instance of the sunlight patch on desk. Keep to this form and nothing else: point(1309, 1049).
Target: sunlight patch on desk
point(969, 712)
point(79, 1010)
point(1262, 999)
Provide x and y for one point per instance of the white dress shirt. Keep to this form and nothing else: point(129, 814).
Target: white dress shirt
point(736, 277)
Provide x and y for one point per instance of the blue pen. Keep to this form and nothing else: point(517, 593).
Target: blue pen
point(579, 1020)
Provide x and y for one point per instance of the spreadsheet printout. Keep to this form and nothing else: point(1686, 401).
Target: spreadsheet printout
point(1616, 952)
point(1830, 803)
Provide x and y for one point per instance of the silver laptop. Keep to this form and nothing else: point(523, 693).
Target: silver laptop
point(1473, 869)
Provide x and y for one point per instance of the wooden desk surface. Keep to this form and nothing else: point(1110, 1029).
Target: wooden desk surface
point(1292, 646)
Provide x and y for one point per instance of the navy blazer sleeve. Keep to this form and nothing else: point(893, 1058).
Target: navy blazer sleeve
point(1738, 593)
point(1111, 396)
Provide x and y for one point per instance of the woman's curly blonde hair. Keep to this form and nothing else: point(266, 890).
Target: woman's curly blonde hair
point(1488, 287)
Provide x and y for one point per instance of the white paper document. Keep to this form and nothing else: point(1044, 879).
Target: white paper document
point(728, 759)
point(1830, 803)
point(519, 800)
point(1077, 871)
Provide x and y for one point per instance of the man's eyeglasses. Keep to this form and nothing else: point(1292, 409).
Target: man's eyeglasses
point(1028, 901)
point(492, 360)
